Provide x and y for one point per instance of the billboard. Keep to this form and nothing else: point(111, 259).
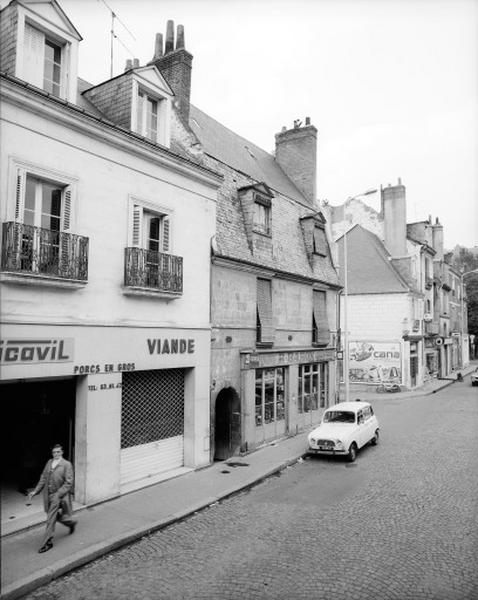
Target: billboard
point(375, 362)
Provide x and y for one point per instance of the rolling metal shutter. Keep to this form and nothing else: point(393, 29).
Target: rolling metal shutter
point(152, 423)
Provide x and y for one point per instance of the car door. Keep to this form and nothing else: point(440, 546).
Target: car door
point(361, 429)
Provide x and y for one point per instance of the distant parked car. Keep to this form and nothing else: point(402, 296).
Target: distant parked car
point(474, 377)
point(345, 428)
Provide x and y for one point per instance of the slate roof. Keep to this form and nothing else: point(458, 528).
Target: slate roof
point(241, 163)
point(369, 269)
point(244, 156)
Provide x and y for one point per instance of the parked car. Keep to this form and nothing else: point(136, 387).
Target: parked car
point(345, 428)
point(474, 377)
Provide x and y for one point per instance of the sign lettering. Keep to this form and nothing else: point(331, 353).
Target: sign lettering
point(27, 351)
point(171, 346)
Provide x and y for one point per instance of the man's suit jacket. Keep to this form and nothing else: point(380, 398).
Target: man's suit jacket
point(60, 481)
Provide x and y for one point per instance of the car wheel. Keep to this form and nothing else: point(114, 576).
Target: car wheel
point(374, 440)
point(352, 452)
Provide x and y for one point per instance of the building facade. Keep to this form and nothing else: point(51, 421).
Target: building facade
point(406, 317)
point(274, 287)
point(105, 268)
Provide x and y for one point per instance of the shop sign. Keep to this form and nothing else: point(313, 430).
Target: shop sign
point(171, 346)
point(447, 341)
point(32, 351)
point(375, 362)
point(270, 359)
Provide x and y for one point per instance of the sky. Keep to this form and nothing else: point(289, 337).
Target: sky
point(391, 85)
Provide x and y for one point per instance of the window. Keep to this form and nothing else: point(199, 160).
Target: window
point(320, 323)
point(147, 116)
point(38, 241)
point(265, 330)
point(149, 263)
point(320, 241)
point(270, 395)
point(262, 215)
point(43, 61)
point(312, 389)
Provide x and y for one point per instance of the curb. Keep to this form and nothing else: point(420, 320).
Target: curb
point(44, 576)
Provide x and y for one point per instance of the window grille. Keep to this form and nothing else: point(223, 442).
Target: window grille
point(152, 406)
point(265, 328)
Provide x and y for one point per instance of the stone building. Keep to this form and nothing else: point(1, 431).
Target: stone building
point(273, 283)
point(105, 269)
point(405, 301)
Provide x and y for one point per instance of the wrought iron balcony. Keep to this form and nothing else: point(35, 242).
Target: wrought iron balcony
point(36, 251)
point(153, 270)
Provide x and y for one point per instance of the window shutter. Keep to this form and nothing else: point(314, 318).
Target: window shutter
point(66, 209)
point(264, 309)
point(165, 234)
point(19, 195)
point(320, 316)
point(320, 241)
point(33, 56)
point(136, 236)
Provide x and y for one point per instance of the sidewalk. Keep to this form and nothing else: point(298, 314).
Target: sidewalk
point(110, 525)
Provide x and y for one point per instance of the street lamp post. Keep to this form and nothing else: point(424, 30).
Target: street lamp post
point(346, 333)
point(463, 312)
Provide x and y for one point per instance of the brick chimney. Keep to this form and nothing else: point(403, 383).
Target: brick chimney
point(175, 65)
point(296, 153)
point(394, 212)
point(437, 234)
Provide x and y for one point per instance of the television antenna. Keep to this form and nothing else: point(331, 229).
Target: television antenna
point(114, 36)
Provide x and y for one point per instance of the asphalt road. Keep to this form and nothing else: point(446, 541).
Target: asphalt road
point(400, 523)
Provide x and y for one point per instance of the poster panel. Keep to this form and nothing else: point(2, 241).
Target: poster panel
point(375, 362)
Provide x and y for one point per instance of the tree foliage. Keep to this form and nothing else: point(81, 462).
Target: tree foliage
point(465, 261)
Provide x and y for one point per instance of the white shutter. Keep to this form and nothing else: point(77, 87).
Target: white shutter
point(33, 56)
point(137, 226)
point(66, 209)
point(19, 195)
point(166, 243)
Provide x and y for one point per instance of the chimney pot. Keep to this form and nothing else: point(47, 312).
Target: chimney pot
point(180, 37)
point(129, 64)
point(158, 46)
point(307, 120)
point(399, 181)
point(169, 37)
point(135, 63)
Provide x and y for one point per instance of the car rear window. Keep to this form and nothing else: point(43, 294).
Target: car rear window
point(339, 416)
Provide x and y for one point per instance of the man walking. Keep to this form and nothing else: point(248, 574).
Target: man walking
point(56, 482)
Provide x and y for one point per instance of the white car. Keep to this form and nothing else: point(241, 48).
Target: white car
point(345, 428)
point(474, 377)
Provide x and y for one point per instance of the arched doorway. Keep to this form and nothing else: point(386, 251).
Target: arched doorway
point(227, 421)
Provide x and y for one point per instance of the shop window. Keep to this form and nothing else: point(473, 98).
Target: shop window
point(312, 388)
point(264, 326)
point(270, 396)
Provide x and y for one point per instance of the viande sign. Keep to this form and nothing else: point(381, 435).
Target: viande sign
point(28, 351)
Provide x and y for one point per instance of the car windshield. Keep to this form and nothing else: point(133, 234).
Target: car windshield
point(339, 416)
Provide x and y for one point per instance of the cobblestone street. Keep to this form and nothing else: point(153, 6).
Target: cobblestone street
point(400, 523)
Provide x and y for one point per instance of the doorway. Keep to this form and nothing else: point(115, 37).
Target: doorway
point(227, 420)
point(36, 416)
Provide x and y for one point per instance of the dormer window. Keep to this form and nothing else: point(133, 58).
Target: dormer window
point(43, 61)
point(320, 241)
point(262, 214)
point(147, 116)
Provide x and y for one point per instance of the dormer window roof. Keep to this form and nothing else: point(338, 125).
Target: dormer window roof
point(139, 99)
point(45, 53)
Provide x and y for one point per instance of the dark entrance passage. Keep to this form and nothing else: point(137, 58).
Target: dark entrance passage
point(35, 416)
point(227, 432)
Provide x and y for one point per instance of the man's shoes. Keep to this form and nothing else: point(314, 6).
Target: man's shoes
point(72, 528)
point(46, 546)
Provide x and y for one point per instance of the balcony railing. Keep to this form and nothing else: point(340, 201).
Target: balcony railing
point(36, 251)
point(153, 270)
